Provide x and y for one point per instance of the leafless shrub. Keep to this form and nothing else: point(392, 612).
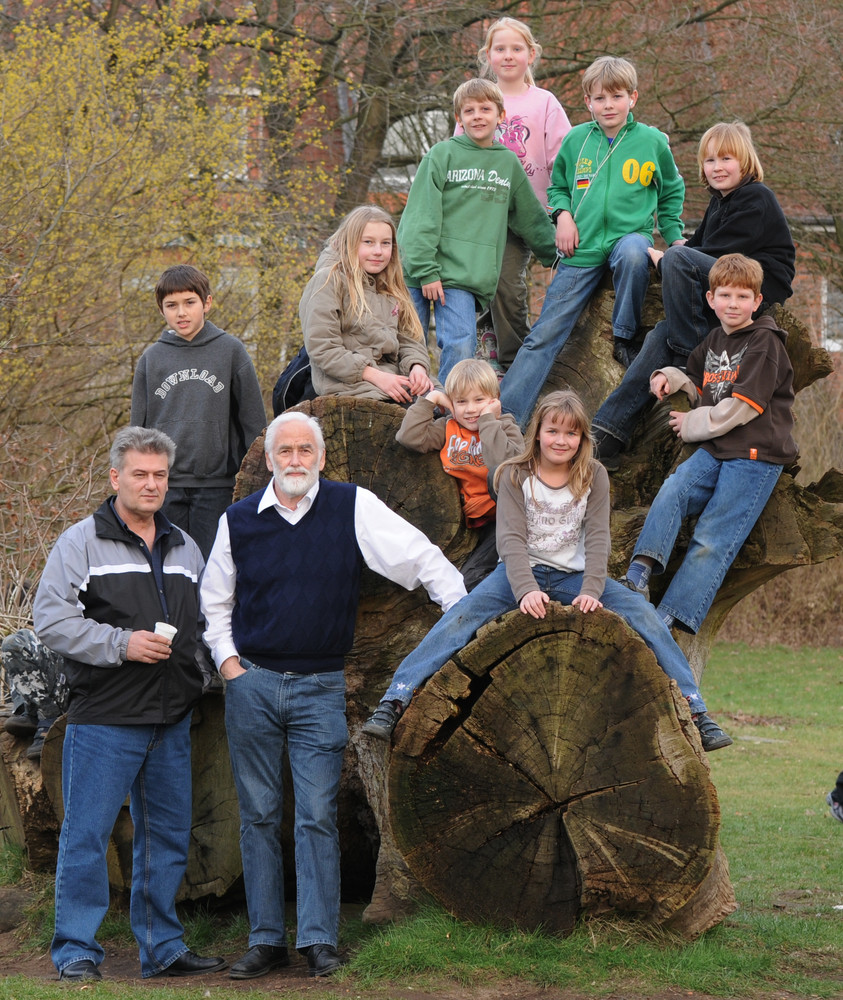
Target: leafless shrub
point(44, 487)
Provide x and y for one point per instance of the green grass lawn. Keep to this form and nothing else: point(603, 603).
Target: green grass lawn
point(784, 709)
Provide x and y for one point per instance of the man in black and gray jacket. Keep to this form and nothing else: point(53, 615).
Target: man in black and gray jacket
point(109, 580)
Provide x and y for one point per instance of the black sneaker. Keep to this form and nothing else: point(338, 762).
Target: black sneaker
point(37, 745)
point(382, 721)
point(607, 449)
point(21, 723)
point(643, 591)
point(625, 351)
point(712, 736)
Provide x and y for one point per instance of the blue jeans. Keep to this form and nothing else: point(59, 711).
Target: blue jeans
point(729, 497)
point(264, 712)
point(456, 325)
point(688, 320)
point(567, 296)
point(197, 510)
point(101, 765)
point(494, 597)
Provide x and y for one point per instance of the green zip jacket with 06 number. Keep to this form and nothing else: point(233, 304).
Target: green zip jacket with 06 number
point(613, 189)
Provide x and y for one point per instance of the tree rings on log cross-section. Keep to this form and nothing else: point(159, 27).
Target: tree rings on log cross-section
point(551, 769)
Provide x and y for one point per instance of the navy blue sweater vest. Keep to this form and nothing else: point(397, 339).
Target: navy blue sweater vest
point(297, 584)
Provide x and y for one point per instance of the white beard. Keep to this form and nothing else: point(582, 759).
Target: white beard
point(294, 486)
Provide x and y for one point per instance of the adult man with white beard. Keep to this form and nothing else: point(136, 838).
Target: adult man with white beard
point(280, 596)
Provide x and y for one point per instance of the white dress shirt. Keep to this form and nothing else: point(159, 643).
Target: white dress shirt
point(390, 546)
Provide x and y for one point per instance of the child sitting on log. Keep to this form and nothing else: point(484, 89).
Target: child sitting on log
point(553, 537)
point(360, 327)
point(740, 383)
point(743, 216)
point(471, 443)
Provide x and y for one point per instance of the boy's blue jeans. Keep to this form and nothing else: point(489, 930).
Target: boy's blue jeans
point(567, 296)
point(494, 597)
point(456, 325)
point(688, 320)
point(101, 765)
point(729, 497)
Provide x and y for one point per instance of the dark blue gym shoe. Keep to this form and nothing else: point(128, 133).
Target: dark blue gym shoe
point(712, 736)
point(625, 351)
point(382, 721)
point(607, 449)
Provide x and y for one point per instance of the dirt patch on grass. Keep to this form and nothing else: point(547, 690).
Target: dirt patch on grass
point(769, 721)
point(121, 965)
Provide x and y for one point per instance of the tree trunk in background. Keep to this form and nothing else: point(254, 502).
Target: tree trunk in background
point(26, 813)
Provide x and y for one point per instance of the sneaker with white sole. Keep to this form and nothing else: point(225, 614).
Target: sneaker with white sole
point(643, 591)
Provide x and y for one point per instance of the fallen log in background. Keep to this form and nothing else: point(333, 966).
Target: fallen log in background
point(27, 818)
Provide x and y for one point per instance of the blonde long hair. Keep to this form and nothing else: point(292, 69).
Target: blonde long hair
point(567, 405)
point(514, 25)
point(346, 243)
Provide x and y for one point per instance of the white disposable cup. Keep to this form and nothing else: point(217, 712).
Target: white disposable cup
point(165, 629)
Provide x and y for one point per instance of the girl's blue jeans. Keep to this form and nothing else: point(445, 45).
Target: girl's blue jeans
point(494, 597)
point(688, 320)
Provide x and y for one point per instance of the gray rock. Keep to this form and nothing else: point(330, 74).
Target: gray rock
point(13, 903)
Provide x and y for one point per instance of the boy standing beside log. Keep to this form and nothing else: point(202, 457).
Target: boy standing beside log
point(198, 385)
point(740, 383)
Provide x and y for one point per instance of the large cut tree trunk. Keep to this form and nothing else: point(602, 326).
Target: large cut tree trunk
point(551, 769)
point(360, 447)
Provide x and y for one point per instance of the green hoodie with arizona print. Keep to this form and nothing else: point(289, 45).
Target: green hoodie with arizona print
point(463, 199)
point(616, 187)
